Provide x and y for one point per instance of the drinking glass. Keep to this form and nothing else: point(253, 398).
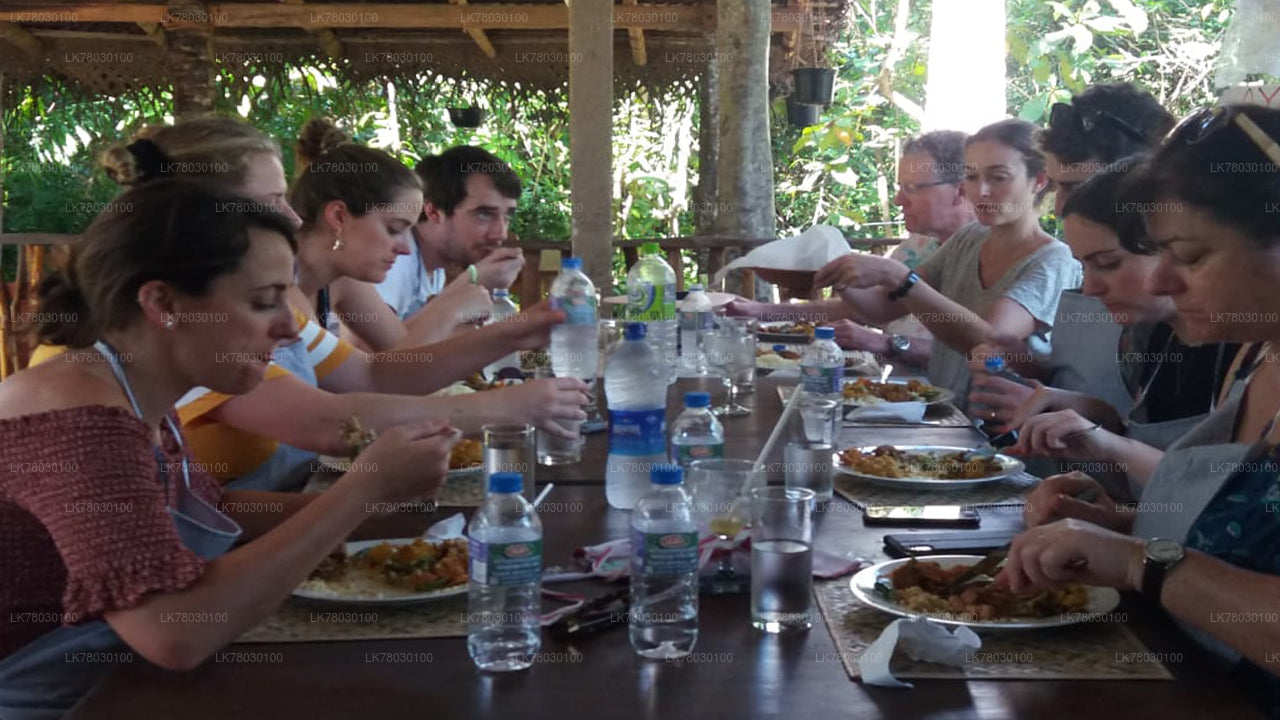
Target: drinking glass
point(553, 449)
point(721, 511)
point(819, 419)
point(744, 366)
point(510, 448)
point(781, 559)
point(810, 465)
point(725, 348)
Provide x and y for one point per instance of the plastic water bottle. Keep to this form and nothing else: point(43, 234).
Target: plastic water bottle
point(822, 366)
point(651, 299)
point(996, 366)
point(664, 569)
point(695, 317)
point(697, 434)
point(504, 600)
point(574, 346)
point(503, 308)
point(637, 394)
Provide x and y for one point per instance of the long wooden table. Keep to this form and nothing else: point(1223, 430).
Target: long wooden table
point(736, 672)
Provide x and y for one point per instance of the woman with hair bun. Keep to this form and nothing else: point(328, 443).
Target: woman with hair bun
point(268, 439)
point(113, 540)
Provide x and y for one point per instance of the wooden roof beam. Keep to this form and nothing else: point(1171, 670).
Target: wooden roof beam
point(479, 36)
point(487, 16)
point(154, 31)
point(328, 41)
point(25, 41)
point(639, 55)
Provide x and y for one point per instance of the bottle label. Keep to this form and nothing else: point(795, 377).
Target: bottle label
point(647, 302)
point(506, 564)
point(686, 454)
point(638, 432)
point(665, 554)
point(579, 308)
point(822, 380)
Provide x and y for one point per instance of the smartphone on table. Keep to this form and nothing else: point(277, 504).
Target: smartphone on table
point(945, 516)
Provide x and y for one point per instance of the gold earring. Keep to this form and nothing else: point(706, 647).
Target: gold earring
point(337, 242)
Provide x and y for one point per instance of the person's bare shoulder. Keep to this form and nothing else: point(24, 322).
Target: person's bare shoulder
point(56, 385)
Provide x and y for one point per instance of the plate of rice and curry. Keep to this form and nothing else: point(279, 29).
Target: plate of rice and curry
point(924, 466)
point(913, 587)
point(390, 572)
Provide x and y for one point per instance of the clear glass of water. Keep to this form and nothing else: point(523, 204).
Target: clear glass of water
point(782, 559)
point(510, 448)
point(724, 351)
point(553, 449)
point(810, 465)
point(819, 419)
point(744, 359)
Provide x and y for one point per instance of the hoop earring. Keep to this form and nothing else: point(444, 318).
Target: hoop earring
point(337, 242)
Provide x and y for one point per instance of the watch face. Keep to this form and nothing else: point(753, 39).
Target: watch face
point(1164, 551)
point(900, 343)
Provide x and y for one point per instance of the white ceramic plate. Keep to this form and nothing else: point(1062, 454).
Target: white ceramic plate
point(944, 395)
point(768, 332)
point(1101, 600)
point(391, 596)
point(1011, 465)
point(341, 465)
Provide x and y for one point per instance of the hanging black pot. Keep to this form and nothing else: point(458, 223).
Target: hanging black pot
point(466, 117)
point(802, 114)
point(815, 86)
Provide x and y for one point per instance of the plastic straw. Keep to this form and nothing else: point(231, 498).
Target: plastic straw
point(773, 437)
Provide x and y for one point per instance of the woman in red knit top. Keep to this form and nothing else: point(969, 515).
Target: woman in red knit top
point(111, 542)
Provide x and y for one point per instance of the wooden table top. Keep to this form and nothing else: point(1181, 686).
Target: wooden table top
point(735, 671)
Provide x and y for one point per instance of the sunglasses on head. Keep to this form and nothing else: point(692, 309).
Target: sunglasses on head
point(1205, 122)
point(1087, 119)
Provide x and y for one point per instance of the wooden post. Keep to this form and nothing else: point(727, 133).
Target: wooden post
point(744, 188)
point(705, 195)
point(591, 138)
point(187, 31)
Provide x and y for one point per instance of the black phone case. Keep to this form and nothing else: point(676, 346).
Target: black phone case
point(978, 542)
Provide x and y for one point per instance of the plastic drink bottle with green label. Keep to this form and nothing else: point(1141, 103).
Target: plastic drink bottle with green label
point(504, 599)
point(664, 569)
point(651, 299)
point(697, 434)
point(822, 366)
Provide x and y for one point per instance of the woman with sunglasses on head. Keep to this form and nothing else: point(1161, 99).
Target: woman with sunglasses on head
point(269, 438)
point(999, 277)
point(113, 539)
point(1205, 540)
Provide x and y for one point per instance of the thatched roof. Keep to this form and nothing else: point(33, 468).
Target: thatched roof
point(109, 48)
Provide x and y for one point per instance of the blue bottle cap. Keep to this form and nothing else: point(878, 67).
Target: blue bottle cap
point(634, 331)
point(696, 286)
point(697, 399)
point(501, 293)
point(506, 482)
point(571, 263)
point(779, 348)
point(825, 333)
point(994, 364)
point(666, 474)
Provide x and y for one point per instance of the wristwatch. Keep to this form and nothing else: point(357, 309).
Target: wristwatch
point(1160, 556)
point(898, 345)
point(907, 283)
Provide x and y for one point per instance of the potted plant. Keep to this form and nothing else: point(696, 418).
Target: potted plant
point(802, 114)
point(814, 85)
point(466, 117)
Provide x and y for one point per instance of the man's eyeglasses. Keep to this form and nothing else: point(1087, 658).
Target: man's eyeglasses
point(1207, 121)
point(913, 188)
point(1087, 119)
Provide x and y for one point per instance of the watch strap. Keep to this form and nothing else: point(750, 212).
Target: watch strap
point(907, 283)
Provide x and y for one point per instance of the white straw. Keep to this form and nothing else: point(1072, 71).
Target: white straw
point(773, 437)
point(543, 495)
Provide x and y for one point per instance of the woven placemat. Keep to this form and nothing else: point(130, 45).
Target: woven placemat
point(306, 621)
point(1009, 491)
point(459, 490)
point(1102, 650)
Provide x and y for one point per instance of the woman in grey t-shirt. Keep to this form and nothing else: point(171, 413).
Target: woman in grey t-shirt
point(999, 278)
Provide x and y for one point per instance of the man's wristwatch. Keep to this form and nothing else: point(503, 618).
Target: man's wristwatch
point(907, 283)
point(898, 345)
point(1160, 556)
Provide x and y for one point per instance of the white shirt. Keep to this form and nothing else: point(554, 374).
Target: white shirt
point(409, 284)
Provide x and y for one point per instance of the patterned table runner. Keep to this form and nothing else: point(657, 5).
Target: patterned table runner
point(305, 621)
point(1087, 651)
point(1009, 491)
